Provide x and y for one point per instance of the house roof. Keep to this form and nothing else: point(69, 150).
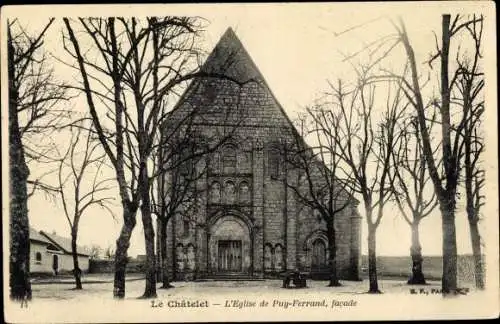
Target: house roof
point(64, 243)
point(36, 236)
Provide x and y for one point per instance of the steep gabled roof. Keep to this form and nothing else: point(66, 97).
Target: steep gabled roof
point(36, 236)
point(229, 59)
point(64, 243)
point(232, 59)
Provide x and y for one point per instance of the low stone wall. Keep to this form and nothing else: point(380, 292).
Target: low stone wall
point(108, 266)
point(400, 266)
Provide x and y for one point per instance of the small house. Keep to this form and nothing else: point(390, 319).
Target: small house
point(51, 253)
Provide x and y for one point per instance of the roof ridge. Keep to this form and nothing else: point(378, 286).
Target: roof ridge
point(50, 238)
point(53, 238)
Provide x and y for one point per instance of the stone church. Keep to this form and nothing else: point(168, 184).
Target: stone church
point(248, 223)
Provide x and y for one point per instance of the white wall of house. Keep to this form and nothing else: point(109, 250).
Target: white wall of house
point(44, 265)
point(66, 263)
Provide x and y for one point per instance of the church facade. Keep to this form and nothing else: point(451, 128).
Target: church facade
point(248, 222)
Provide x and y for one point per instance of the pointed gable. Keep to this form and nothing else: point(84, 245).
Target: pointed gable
point(234, 92)
point(229, 58)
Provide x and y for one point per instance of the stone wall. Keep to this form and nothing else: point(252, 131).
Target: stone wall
point(108, 266)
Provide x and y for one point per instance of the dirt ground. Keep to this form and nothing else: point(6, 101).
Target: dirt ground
point(238, 301)
point(134, 288)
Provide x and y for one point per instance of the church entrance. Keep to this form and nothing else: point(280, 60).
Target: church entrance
point(229, 247)
point(230, 256)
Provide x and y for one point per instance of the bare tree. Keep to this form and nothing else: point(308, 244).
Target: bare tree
point(129, 194)
point(445, 183)
point(144, 63)
point(33, 94)
point(95, 252)
point(318, 186)
point(81, 187)
point(413, 195)
point(469, 92)
point(176, 192)
point(474, 183)
point(365, 149)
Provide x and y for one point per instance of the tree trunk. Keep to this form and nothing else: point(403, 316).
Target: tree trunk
point(472, 212)
point(77, 272)
point(449, 280)
point(158, 249)
point(19, 266)
point(150, 289)
point(417, 276)
point(149, 234)
point(164, 259)
point(476, 252)
point(372, 260)
point(332, 248)
point(122, 245)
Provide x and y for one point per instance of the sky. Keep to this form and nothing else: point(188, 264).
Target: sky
point(297, 48)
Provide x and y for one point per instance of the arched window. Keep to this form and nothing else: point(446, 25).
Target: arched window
point(186, 226)
point(278, 257)
point(215, 192)
point(180, 256)
point(268, 257)
point(318, 254)
point(191, 262)
point(229, 158)
point(38, 257)
point(229, 192)
point(244, 193)
point(273, 167)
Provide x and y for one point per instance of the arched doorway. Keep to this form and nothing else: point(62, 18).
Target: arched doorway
point(55, 263)
point(230, 246)
point(316, 250)
point(318, 258)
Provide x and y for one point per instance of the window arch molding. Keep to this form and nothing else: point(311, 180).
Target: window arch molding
point(316, 248)
point(229, 192)
point(278, 257)
point(244, 192)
